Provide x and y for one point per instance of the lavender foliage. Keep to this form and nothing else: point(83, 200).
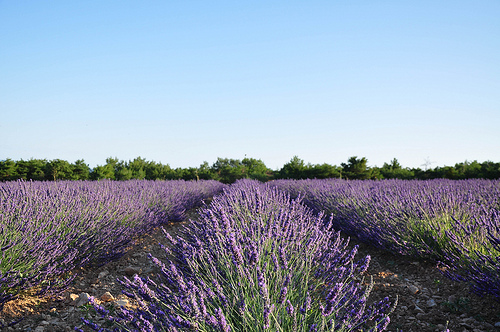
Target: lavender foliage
point(47, 229)
point(255, 260)
point(455, 223)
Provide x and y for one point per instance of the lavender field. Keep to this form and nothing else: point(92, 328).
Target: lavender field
point(455, 223)
point(259, 257)
point(50, 228)
point(255, 260)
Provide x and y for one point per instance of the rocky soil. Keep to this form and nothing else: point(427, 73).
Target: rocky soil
point(427, 301)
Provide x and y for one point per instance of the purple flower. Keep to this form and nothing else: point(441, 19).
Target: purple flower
point(282, 297)
point(267, 320)
point(222, 321)
point(236, 250)
point(290, 308)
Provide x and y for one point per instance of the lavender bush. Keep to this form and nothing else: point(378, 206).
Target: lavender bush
point(254, 260)
point(49, 228)
point(452, 222)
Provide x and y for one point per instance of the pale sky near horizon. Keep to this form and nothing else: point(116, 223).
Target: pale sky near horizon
point(183, 82)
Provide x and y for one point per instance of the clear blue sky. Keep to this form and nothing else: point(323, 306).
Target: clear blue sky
point(182, 82)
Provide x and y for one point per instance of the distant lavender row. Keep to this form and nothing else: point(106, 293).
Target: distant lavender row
point(49, 228)
point(254, 260)
point(453, 222)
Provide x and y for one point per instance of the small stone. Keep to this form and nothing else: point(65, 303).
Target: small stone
point(102, 274)
point(452, 299)
point(106, 297)
point(466, 325)
point(122, 302)
point(413, 289)
point(130, 270)
point(418, 308)
point(497, 324)
point(84, 298)
point(431, 303)
point(44, 322)
point(39, 329)
point(70, 298)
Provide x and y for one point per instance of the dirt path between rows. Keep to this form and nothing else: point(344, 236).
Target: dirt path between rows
point(427, 300)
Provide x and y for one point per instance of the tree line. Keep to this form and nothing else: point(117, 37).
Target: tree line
point(229, 170)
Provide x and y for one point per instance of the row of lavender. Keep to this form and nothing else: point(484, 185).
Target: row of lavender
point(456, 223)
point(48, 229)
point(254, 260)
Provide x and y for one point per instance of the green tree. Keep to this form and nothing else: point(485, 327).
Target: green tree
point(120, 169)
point(256, 169)
point(179, 173)
point(80, 170)
point(138, 167)
point(158, 171)
point(58, 169)
point(490, 170)
point(394, 170)
point(8, 170)
point(190, 173)
point(294, 169)
point(123, 174)
point(471, 170)
point(446, 172)
point(356, 168)
point(205, 172)
point(33, 169)
point(322, 171)
point(228, 170)
point(105, 172)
